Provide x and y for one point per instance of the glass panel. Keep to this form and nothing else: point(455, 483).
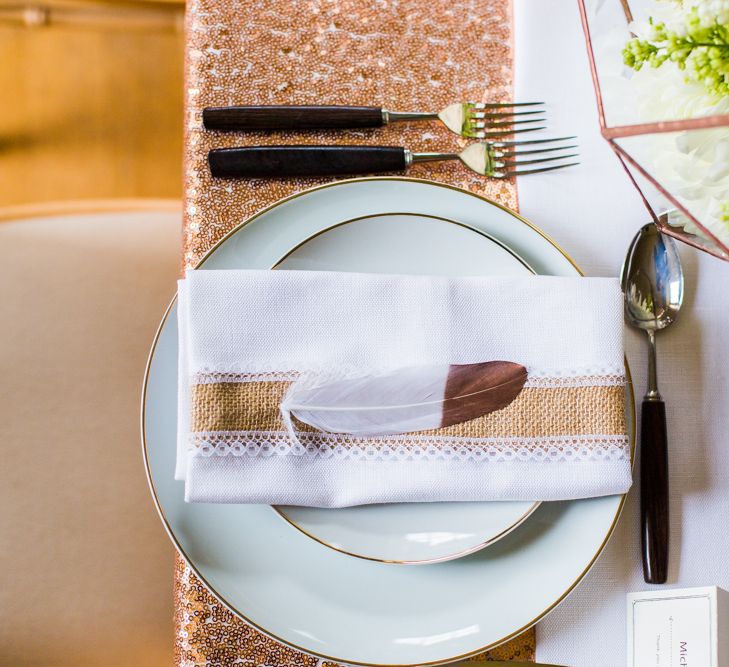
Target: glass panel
point(677, 224)
point(609, 32)
point(693, 167)
point(666, 91)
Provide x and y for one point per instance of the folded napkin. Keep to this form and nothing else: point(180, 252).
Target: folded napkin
point(252, 340)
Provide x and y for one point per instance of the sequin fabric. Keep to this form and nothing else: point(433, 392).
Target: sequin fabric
point(404, 55)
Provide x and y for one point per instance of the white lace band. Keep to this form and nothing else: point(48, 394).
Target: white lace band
point(328, 445)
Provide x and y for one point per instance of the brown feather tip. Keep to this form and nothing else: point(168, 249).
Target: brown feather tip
point(474, 390)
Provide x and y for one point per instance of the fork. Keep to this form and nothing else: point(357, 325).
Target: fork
point(497, 159)
point(475, 120)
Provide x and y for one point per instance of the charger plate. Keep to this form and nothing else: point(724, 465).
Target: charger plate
point(322, 601)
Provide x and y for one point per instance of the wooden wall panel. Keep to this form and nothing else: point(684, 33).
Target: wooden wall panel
point(91, 103)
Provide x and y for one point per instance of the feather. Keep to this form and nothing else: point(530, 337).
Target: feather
point(410, 399)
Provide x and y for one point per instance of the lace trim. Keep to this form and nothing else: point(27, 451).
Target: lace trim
point(331, 445)
point(535, 379)
point(280, 367)
point(218, 377)
point(609, 380)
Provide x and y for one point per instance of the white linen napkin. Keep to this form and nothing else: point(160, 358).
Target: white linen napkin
point(246, 335)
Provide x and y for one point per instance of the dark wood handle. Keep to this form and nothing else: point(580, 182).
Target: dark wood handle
point(654, 492)
point(283, 161)
point(291, 117)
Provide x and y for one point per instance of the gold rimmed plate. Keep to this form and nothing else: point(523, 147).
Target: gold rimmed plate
point(320, 600)
point(407, 533)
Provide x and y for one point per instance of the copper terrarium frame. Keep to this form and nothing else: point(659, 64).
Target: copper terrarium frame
point(611, 134)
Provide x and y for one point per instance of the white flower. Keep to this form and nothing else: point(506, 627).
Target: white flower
point(673, 14)
point(692, 165)
point(712, 11)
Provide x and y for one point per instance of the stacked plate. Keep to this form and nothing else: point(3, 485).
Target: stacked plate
point(409, 584)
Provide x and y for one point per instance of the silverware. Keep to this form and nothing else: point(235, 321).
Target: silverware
point(475, 120)
point(652, 282)
point(499, 159)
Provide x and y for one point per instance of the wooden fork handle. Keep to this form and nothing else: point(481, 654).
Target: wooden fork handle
point(291, 117)
point(285, 161)
point(654, 491)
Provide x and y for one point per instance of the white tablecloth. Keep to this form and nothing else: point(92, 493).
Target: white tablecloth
point(594, 212)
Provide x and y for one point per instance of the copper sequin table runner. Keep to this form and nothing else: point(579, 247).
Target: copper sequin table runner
point(406, 55)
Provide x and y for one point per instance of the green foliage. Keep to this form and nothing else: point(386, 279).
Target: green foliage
point(701, 50)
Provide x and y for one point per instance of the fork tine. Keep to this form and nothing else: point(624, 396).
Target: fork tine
point(508, 123)
point(499, 105)
point(524, 172)
point(499, 144)
point(509, 114)
point(500, 133)
point(517, 153)
point(511, 164)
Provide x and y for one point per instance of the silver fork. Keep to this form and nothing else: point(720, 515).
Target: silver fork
point(495, 159)
point(499, 159)
point(475, 120)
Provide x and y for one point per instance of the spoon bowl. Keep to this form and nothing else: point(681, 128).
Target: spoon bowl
point(652, 280)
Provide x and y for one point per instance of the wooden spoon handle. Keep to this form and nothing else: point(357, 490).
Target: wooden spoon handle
point(291, 117)
point(654, 491)
point(286, 161)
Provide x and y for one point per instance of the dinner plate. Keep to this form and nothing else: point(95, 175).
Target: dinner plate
point(407, 533)
point(317, 599)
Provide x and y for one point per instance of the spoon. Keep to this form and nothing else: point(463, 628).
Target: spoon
point(652, 282)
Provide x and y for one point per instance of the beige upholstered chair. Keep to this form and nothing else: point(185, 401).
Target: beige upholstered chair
point(85, 567)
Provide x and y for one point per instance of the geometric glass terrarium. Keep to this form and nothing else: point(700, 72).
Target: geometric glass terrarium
point(660, 69)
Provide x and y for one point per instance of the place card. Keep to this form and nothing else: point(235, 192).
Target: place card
point(678, 628)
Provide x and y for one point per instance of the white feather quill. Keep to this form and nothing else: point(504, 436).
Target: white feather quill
point(411, 399)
